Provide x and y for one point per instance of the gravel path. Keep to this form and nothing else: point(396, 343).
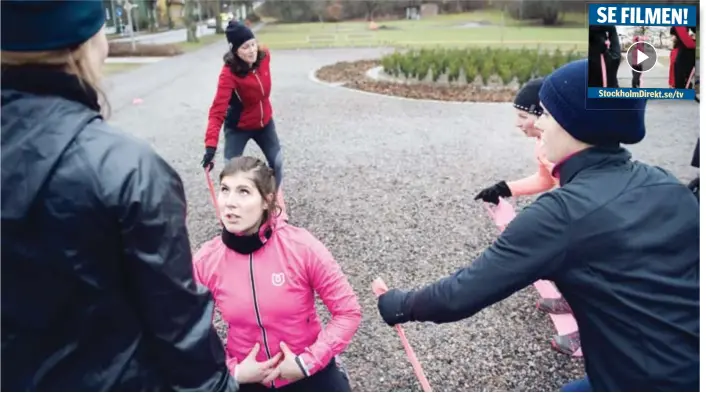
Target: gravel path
point(387, 185)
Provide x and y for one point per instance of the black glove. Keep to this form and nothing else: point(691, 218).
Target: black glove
point(493, 193)
point(207, 161)
point(394, 306)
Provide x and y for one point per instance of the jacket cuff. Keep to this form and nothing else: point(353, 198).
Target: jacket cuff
point(306, 364)
point(408, 306)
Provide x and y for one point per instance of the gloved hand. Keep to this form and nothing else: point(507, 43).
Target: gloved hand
point(207, 161)
point(393, 306)
point(493, 193)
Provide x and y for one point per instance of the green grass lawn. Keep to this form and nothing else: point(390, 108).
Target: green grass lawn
point(116, 68)
point(203, 41)
point(438, 31)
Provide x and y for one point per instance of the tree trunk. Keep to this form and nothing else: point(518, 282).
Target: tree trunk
point(191, 25)
point(219, 20)
point(170, 22)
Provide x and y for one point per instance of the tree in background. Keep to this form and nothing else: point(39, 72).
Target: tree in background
point(191, 26)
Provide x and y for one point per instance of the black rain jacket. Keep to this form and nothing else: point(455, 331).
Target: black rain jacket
point(97, 284)
point(620, 239)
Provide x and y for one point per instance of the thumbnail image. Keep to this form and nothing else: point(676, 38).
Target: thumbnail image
point(642, 56)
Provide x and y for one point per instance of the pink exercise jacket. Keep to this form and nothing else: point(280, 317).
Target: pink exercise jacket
point(541, 181)
point(268, 296)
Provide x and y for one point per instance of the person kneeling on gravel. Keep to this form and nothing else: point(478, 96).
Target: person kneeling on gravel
point(264, 274)
point(527, 111)
point(619, 238)
point(98, 292)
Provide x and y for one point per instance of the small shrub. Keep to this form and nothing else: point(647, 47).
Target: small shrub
point(471, 72)
point(507, 64)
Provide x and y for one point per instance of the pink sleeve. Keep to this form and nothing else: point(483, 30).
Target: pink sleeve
point(332, 286)
point(541, 181)
point(201, 260)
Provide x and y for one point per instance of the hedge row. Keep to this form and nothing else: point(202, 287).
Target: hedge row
point(507, 64)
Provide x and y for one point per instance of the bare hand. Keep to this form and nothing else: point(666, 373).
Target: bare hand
point(289, 369)
point(252, 371)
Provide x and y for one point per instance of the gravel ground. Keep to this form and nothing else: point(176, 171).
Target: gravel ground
point(387, 184)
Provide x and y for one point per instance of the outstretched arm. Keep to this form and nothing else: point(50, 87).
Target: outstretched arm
point(531, 247)
point(174, 313)
point(531, 185)
point(331, 285)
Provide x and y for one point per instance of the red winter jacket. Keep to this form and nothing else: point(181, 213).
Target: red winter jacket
point(672, 60)
point(684, 41)
point(247, 98)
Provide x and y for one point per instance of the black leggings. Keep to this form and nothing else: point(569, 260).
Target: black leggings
point(329, 379)
point(636, 75)
point(683, 65)
point(266, 138)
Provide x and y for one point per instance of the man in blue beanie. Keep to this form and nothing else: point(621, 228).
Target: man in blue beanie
point(620, 239)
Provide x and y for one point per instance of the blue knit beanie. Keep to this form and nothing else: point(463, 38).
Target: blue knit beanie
point(604, 121)
point(43, 25)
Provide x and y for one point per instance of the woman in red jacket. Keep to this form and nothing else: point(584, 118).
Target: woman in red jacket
point(684, 57)
point(264, 275)
point(242, 104)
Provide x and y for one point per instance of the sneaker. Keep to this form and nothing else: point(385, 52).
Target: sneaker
point(554, 306)
point(567, 344)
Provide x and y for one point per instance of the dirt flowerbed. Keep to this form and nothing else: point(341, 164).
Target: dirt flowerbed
point(124, 49)
point(352, 74)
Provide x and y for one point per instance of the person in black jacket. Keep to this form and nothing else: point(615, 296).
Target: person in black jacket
point(695, 162)
point(620, 239)
point(598, 35)
point(97, 280)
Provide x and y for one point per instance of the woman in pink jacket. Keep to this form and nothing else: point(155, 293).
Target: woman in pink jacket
point(263, 274)
point(528, 110)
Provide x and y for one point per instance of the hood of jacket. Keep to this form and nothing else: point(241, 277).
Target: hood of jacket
point(43, 110)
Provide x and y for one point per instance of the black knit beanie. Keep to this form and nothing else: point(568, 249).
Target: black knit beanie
point(237, 33)
point(44, 25)
point(527, 98)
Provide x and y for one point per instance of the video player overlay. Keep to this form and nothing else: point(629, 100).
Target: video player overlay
point(639, 51)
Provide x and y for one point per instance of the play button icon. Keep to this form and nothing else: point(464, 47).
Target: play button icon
point(641, 56)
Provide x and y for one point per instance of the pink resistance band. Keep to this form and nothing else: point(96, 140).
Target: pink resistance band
point(603, 67)
point(691, 77)
point(213, 194)
point(379, 288)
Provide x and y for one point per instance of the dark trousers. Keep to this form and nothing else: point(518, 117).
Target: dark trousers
point(636, 76)
point(595, 70)
point(329, 379)
point(266, 138)
point(581, 385)
point(683, 64)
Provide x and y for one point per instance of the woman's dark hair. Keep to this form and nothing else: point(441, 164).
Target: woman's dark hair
point(262, 175)
point(238, 66)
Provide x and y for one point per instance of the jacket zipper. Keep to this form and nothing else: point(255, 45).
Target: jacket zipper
point(257, 314)
point(262, 110)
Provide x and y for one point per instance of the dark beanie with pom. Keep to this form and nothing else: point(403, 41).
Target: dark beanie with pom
point(237, 33)
point(600, 122)
point(527, 98)
point(45, 25)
